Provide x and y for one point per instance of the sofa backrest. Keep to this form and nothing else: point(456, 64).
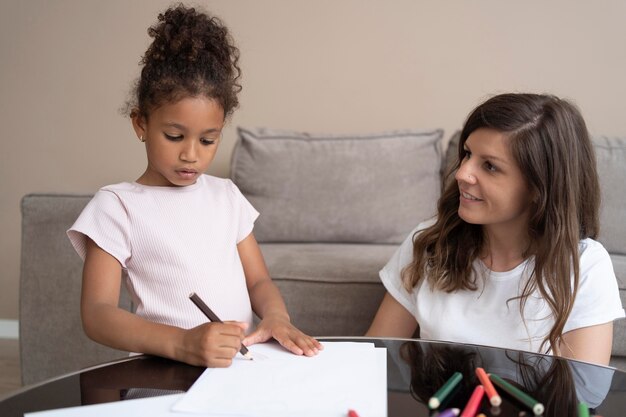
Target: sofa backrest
point(338, 188)
point(52, 341)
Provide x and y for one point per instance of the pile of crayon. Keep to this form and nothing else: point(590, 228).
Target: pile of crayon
point(486, 387)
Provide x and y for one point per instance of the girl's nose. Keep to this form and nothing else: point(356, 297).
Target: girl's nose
point(188, 153)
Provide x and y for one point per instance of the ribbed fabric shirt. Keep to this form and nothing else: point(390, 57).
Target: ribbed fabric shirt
point(173, 241)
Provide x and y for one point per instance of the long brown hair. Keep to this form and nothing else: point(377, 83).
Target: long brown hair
point(550, 143)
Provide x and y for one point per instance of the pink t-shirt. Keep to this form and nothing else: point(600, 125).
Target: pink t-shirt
point(173, 241)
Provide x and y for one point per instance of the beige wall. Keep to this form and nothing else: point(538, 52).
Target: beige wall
point(323, 65)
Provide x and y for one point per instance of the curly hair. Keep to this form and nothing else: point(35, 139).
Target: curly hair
point(192, 54)
point(550, 143)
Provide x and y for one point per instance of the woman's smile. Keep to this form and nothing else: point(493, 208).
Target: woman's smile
point(467, 196)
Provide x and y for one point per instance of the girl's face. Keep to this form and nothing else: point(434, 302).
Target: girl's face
point(181, 140)
point(494, 193)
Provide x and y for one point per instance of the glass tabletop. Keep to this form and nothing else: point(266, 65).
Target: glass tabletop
point(416, 369)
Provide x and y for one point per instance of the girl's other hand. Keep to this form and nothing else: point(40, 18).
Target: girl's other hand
point(212, 344)
point(280, 328)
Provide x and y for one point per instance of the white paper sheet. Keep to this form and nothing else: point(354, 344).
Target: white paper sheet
point(153, 407)
point(345, 375)
point(277, 383)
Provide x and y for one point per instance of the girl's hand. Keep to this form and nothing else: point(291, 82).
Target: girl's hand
point(280, 328)
point(212, 344)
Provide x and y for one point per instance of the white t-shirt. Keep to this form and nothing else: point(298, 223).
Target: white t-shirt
point(484, 316)
point(173, 241)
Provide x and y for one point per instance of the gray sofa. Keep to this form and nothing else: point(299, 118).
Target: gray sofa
point(333, 210)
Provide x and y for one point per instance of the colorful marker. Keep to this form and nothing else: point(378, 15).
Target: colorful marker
point(518, 394)
point(472, 405)
point(436, 400)
point(450, 412)
point(352, 413)
point(491, 392)
point(583, 409)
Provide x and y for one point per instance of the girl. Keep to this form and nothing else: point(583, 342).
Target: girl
point(510, 259)
point(174, 230)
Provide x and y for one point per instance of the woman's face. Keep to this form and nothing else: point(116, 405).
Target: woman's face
point(494, 193)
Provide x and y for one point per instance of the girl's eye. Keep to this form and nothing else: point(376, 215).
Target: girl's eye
point(207, 141)
point(490, 167)
point(174, 138)
point(466, 154)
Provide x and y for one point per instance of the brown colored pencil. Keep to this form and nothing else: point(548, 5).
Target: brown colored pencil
point(213, 317)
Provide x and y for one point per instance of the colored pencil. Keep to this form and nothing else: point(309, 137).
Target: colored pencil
point(213, 317)
point(518, 394)
point(436, 400)
point(490, 391)
point(472, 405)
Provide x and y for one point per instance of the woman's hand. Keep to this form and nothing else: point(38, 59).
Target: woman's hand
point(279, 327)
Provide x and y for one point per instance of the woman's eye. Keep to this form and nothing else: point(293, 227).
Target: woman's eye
point(490, 167)
point(466, 154)
point(173, 137)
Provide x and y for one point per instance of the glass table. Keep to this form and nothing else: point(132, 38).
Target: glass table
point(416, 369)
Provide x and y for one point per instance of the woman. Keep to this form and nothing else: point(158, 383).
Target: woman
point(510, 259)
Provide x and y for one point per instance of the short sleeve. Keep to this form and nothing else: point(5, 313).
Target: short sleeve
point(105, 221)
point(247, 213)
point(391, 274)
point(597, 301)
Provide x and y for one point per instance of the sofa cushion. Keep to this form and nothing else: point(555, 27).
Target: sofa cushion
point(451, 155)
point(619, 326)
point(338, 188)
point(330, 289)
point(611, 158)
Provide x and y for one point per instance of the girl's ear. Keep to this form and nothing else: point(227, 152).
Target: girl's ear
point(139, 124)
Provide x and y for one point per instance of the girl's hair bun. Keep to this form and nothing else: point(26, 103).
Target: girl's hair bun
point(192, 54)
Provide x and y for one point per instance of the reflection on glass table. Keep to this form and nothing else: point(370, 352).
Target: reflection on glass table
point(559, 384)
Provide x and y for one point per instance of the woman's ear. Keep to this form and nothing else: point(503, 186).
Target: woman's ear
point(535, 197)
point(139, 124)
